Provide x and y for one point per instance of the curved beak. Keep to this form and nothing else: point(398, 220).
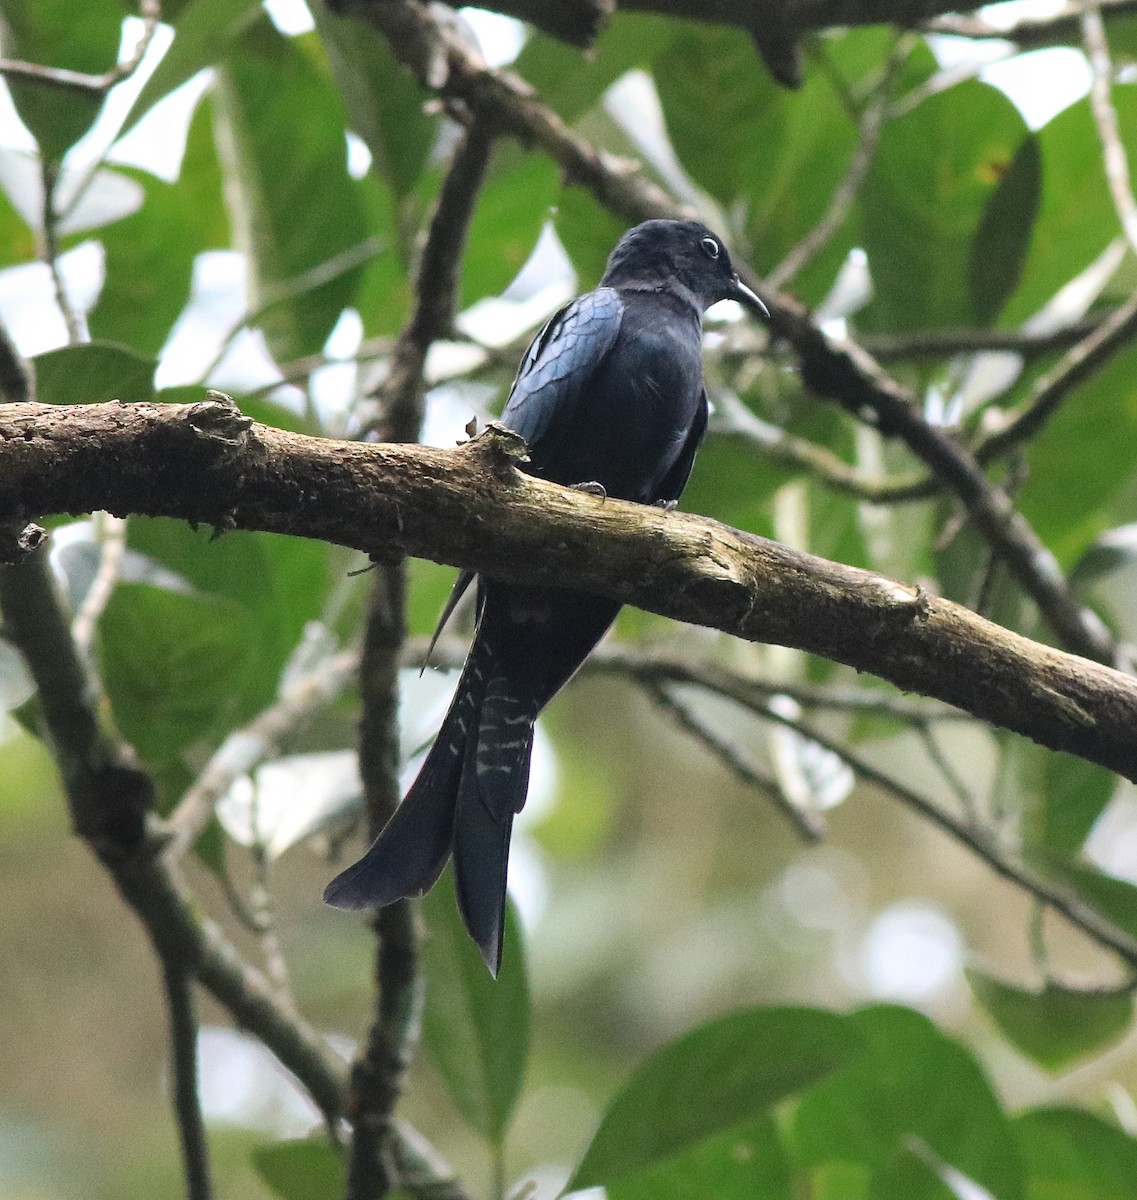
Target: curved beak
point(748, 299)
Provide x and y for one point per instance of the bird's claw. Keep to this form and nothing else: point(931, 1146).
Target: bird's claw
point(667, 505)
point(591, 488)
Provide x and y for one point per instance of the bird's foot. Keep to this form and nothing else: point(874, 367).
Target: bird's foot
point(667, 505)
point(591, 488)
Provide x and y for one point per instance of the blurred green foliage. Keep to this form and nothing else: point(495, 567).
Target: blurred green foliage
point(687, 1018)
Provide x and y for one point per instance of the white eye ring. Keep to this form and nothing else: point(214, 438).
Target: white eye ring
point(710, 247)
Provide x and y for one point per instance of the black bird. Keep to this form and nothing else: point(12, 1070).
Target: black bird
point(609, 397)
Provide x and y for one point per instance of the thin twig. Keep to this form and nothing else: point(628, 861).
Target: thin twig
point(731, 416)
point(950, 775)
point(868, 138)
point(78, 81)
point(1026, 421)
point(110, 538)
point(49, 175)
point(809, 826)
point(1053, 29)
point(980, 842)
point(943, 343)
point(1114, 156)
point(660, 668)
point(183, 1061)
point(244, 748)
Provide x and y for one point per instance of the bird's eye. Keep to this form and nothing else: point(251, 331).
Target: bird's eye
point(710, 247)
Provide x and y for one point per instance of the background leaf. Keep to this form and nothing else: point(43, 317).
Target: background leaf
point(93, 373)
point(935, 175)
point(708, 1083)
point(47, 32)
point(306, 259)
point(912, 1087)
point(1056, 1026)
point(476, 1028)
point(300, 1170)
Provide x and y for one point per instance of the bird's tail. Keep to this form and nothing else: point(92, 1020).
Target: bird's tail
point(464, 799)
point(409, 854)
point(495, 778)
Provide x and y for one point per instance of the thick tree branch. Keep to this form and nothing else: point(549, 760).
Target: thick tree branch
point(109, 796)
point(471, 508)
point(839, 371)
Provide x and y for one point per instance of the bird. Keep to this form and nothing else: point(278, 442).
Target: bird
point(609, 398)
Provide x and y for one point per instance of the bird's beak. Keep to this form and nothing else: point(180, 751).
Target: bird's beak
point(749, 299)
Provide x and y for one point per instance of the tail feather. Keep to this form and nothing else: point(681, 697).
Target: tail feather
point(495, 778)
point(410, 853)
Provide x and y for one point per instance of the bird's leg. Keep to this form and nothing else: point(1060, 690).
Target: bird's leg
point(667, 505)
point(591, 488)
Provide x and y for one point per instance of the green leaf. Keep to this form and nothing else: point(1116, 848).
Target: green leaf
point(935, 175)
point(385, 103)
point(725, 116)
point(301, 1170)
point(1074, 794)
point(1076, 220)
point(93, 373)
point(1075, 472)
point(149, 266)
point(174, 665)
point(1074, 1155)
point(201, 183)
point(745, 1163)
point(1003, 237)
point(476, 1028)
point(511, 209)
point(572, 83)
point(203, 32)
point(292, 203)
point(52, 34)
point(715, 1079)
point(279, 583)
point(1115, 899)
point(912, 1088)
point(1056, 1026)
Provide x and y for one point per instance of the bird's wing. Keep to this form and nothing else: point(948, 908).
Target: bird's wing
point(676, 479)
point(560, 361)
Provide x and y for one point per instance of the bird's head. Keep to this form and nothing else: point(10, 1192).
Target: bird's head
point(685, 253)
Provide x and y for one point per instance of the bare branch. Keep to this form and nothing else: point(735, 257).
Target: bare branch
point(49, 174)
point(77, 81)
point(807, 825)
point(471, 508)
point(1114, 157)
point(1048, 392)
point(1060, 26)
point(841, 202)
point(187, 1102)
point(942, 343)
